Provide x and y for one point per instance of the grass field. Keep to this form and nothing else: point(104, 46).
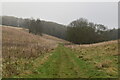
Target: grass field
point(50, 57)
point(20, 48)
point(64, 63)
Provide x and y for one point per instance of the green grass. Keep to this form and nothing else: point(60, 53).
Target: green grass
point(64, 63)
point(103, 57)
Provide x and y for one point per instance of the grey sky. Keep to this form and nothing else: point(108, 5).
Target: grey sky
point(64, 12)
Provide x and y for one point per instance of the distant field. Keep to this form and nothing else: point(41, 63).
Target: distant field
point(31, 56)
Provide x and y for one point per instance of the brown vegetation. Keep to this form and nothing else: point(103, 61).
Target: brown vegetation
point(20, 48)
point(104, 55)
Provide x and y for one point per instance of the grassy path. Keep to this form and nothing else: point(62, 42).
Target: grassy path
point(63, 63)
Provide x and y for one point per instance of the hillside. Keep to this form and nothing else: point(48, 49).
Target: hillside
point(48, 27)
point(103, 56)
point(26, 55)
point(54, 29)
point(19, 45)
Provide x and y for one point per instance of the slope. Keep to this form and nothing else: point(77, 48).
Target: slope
point(20, 48)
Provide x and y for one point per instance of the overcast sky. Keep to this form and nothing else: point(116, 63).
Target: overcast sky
point(64, 12)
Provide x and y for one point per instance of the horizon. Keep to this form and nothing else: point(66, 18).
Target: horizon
point(48, 11)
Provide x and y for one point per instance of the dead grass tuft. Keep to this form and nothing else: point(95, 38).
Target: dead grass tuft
point(111, 71)
point(103, 64)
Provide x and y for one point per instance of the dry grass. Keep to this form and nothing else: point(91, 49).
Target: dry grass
point(93, 45)
point(103, 64)
point(104, 55)
point(20, 48)
point(19, 43)
point(54, 39)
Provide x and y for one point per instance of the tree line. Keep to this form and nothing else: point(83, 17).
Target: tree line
point(36, 26)
point(79, 31)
